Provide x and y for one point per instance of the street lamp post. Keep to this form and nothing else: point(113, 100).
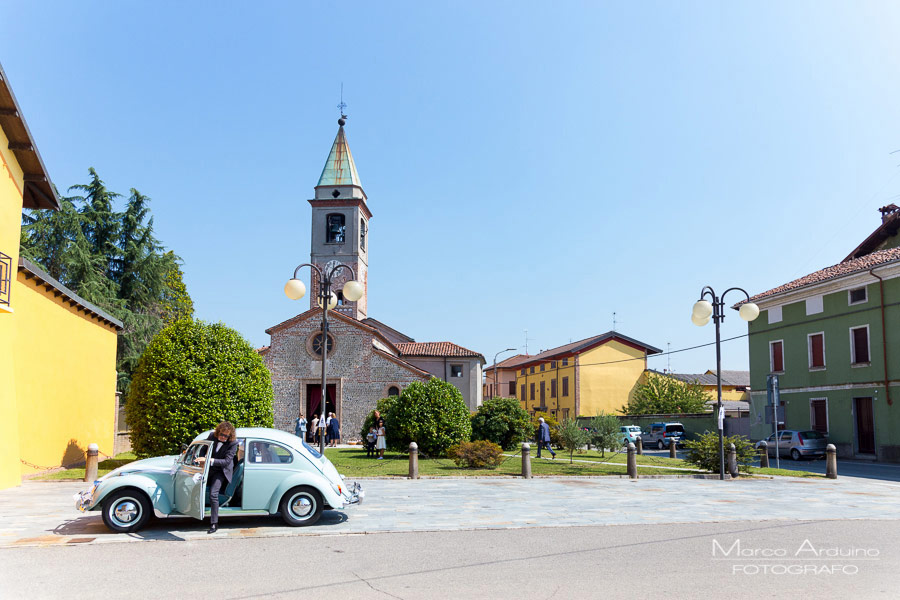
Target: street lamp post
point(495, 368)
point(353, 291)
point(702, 311)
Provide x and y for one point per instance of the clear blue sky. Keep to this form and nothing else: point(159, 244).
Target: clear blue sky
point(530, 165)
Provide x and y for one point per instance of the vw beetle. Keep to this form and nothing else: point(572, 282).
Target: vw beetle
point(275, 473)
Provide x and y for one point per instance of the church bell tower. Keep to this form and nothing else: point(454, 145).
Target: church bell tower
point(340, 226)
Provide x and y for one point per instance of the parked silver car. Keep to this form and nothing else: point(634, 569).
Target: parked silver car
point(797, 444)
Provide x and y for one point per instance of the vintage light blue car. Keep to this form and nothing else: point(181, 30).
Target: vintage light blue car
point(275, 473)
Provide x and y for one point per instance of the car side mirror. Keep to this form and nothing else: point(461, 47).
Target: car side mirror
point(183, 448)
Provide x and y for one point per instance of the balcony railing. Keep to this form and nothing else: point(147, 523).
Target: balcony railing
point(5, 278)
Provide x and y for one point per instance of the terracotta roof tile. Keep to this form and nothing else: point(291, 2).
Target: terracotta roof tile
point(435, 349)
point(576, 347)
point(863, 263)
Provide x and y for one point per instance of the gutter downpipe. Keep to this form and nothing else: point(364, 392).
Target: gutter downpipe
point(887, 387)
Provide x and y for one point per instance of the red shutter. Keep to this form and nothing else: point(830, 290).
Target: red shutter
point(817, 350)
point(777, 357)
point(861, 345)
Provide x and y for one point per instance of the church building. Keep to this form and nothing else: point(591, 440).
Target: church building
point(367, 360)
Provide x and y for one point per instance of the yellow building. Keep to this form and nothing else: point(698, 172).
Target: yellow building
point(735, 384)
point(583, 378)
point(57, 351)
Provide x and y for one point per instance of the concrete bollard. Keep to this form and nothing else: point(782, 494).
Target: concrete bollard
point(413, 460)
point(632, 461)
point(732, 461)
point(90, 465)
point(673, 448)
point(830, 461)
point(639, 445)
point(526, 460)
point(763, 455)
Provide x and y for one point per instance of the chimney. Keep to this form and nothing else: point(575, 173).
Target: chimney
point(888, 212)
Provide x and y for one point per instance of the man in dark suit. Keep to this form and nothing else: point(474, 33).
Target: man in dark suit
point(544, 438)
point(221, 467)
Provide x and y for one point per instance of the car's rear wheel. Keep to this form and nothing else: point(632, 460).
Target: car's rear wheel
point(301, 506)
point(660, 445)
point(127, 510)
point(795, 454)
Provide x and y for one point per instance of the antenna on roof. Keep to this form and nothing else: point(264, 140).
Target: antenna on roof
point(526, 342)
point(614, 321)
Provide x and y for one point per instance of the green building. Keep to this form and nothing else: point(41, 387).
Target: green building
point(833, 339)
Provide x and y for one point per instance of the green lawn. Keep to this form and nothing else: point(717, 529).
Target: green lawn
point(103, 467)
point(784, 472)
point(353, 462)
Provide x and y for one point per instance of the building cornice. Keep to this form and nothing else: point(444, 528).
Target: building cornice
point(838, 284)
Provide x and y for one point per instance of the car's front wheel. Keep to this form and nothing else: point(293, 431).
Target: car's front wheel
point(795, 454)
point(660, 445)
point(126, 510)
point(301, 506)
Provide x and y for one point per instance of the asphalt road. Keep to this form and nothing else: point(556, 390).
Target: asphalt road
point(687, 560)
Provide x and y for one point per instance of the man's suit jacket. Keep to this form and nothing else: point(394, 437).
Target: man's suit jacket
point(223, 459)
point(544, 433)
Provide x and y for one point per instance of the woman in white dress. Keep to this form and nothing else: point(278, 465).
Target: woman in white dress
point(380, 443)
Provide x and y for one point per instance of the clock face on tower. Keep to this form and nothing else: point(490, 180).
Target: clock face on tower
point(330, 265)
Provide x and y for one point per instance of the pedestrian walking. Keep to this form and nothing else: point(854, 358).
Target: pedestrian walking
point(300, 427)
point(335, 430)
point(544, 438)
point(328, 428)
point(381, 441)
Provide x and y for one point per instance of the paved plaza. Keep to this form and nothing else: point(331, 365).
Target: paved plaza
point(43, 513)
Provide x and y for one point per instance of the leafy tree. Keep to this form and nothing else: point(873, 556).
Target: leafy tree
point(501, 421)
point(604, 432)
point(704, 451)
point(101, 224)
point(663, 395)
point(551, 423)
point(572, 437)
point(192, 376)
point(432, 414)
point(176, 304)
point(47, 237)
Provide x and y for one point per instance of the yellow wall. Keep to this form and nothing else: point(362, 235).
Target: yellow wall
point(557, 405)
point(729, 393)
point(10, 219)
point(608, 387)
point(65, 378)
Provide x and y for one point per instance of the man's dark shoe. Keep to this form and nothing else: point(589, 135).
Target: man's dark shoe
point(213, 528)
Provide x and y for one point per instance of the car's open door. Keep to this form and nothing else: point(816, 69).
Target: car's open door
point(190, 481)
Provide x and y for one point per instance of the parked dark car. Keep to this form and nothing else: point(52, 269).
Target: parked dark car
point(797, 444)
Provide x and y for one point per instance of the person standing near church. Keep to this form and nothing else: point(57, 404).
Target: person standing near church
point(335, 430)
point(221, 467)
point(300, 427)
point(327, 426)
point(314, 432)
point(381, 441)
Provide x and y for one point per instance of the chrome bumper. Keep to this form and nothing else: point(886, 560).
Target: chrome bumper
point(356, 494)
point(83, 500)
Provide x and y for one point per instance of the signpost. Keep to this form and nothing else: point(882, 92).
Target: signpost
point(774, 411)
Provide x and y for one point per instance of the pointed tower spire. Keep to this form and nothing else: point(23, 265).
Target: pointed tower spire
point(339, 168)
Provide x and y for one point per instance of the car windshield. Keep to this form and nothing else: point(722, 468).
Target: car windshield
point(812, 435)
point(311, 450)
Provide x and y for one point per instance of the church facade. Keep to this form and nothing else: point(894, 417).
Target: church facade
point(366, 359)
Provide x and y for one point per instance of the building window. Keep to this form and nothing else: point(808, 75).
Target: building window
point(543, 392)
point(531, 370)
point(532, 391)
point(818, 414)
point(5, 278)
point(552, 364)
point(362, 234)
point(393, 391)
point(456, 371)
point(776, 357)
point(565, 390)
point(816, 350)
point(857, 296)
point(512, 389)
point(565, 362)
point(340, 298)
point(565, 414)
point(523, 392)
point(523, 370)
point(335, 228)
point(553, 388)
point(859, 345)
point(542, 366)
point(314, 344)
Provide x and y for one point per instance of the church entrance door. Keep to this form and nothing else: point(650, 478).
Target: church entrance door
point(314, 399)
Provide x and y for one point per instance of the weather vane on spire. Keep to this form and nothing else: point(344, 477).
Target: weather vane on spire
point(342, 105)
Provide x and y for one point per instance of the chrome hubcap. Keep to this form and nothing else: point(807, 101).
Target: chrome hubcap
point(301, 506)
point(126, 511)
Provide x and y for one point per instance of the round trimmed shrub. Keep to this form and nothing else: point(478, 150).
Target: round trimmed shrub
point(501, 421)
point(432, 414)
point(480, 454)
point(190, 377)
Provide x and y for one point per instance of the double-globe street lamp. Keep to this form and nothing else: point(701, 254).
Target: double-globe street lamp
point(715, 308)
point(352, 291)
